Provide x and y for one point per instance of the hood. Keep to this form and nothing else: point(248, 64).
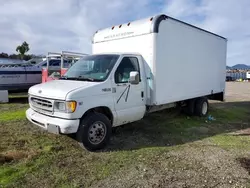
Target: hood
point(58, 89)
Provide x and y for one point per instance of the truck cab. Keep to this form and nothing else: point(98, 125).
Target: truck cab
point(108, 87)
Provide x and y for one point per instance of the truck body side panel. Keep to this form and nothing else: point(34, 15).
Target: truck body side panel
point(189, 63)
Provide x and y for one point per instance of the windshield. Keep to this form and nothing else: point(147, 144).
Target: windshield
point(91, 68)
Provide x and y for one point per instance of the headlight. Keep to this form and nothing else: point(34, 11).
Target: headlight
point(68, 106)
point(59, 106)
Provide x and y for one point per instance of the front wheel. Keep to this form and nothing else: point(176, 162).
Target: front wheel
point(94, 132)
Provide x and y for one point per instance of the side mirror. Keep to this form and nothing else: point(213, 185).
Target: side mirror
point(134, 77)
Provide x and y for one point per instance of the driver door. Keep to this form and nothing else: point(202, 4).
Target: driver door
point(128, 98)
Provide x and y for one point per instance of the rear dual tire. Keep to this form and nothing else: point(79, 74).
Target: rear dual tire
point(201, 107)
point(197, 107)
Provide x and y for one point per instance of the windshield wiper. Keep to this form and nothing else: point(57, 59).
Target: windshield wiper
point(84, 78)
point(80, 78)
point(63, 78)
point(87, 79)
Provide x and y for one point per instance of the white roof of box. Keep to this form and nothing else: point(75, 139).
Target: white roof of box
point(135, 28)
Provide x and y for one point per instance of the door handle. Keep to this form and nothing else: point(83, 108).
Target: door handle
point(122, 84)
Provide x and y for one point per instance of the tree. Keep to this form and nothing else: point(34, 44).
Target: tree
point(4, 55)
point(22, 49)
point(14, 56)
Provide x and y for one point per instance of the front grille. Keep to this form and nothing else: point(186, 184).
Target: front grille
point(42, 105)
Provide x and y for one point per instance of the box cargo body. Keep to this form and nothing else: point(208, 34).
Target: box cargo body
point(182, 61)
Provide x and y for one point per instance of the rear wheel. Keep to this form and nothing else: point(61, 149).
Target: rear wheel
point(94, 132)
point(201, 107)
point(189, 108)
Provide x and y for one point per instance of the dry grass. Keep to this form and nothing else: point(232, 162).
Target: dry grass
point(166, 149)
point(12, 155)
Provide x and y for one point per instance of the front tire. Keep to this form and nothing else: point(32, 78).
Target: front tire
point(94, 132)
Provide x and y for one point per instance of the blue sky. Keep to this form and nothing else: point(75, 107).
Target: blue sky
point(56, 25)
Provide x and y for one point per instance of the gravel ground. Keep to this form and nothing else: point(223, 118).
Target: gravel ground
point(237, 91)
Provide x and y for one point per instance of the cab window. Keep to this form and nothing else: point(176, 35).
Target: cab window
point(127, 65)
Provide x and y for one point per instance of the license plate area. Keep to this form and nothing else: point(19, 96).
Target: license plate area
point(53, 128)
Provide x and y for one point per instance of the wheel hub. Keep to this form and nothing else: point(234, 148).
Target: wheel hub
point(97, 132)
point(204, 108)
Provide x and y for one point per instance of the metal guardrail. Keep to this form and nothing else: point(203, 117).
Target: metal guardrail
point(73, 54)
point(64, 55)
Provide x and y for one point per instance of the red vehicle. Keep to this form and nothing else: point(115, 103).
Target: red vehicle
point(58, 64)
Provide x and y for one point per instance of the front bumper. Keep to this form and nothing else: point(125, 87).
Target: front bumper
point(52, 124)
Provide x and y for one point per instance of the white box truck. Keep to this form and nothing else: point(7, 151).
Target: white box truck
point(136, 68)
point(248, 75)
